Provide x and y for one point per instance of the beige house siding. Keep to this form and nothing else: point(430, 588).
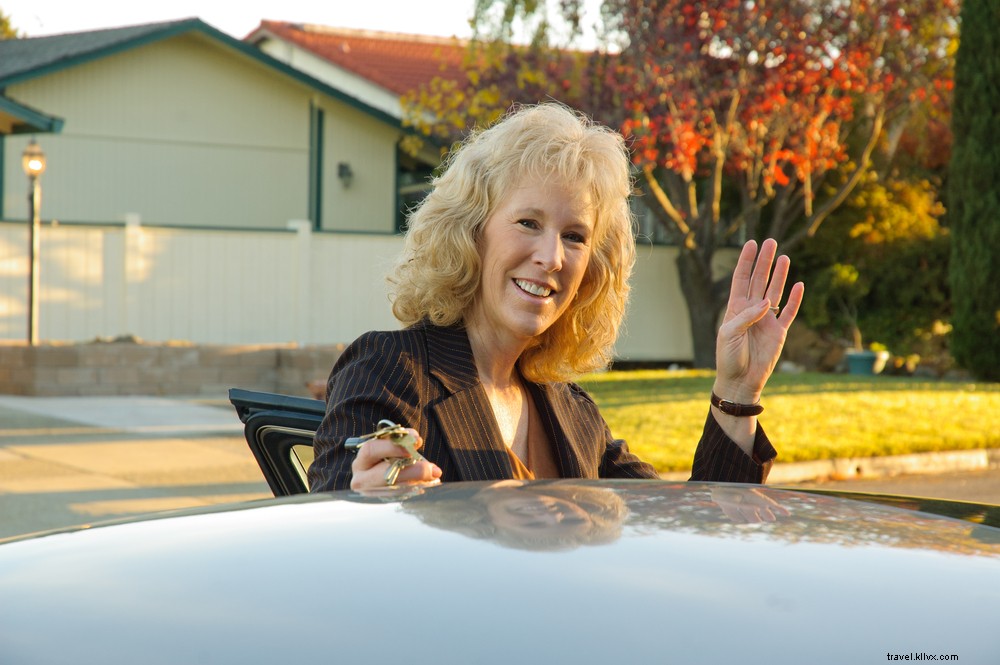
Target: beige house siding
point(200, 286)
point(657, 325)
point(255, 287)
point(347, 286)
point(369, 148)
point(324, 70)
point(186, 132)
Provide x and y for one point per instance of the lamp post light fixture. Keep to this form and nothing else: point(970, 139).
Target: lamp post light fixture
point(33, 161)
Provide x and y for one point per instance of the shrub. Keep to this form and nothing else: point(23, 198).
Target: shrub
point(878, 267)
point(974, 193)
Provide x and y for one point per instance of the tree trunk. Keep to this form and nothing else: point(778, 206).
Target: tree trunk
point(703, 309)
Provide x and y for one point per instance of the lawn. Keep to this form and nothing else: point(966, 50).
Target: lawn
point(661, 413)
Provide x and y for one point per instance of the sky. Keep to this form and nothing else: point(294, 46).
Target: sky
point(36, 18)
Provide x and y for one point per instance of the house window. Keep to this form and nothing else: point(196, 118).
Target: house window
point(413, 182)
point(317, 120)
point(649, 229)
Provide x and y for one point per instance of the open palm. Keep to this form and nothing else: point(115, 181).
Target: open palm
point(755, 325)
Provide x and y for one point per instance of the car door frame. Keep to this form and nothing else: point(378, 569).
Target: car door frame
point(277, 427)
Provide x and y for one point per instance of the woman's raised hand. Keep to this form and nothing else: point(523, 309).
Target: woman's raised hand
point(756, 323)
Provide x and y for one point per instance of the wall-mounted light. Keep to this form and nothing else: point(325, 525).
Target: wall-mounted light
point(345, 173)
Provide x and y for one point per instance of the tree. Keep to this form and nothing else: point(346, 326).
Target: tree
point(7, 31)
point(879, 266)
point(974, 193)
point(747, 118)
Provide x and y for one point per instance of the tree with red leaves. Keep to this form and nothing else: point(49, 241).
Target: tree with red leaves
point(746, 118)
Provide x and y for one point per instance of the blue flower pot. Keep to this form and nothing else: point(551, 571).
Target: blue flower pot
point(861, 362)
point(866, 362)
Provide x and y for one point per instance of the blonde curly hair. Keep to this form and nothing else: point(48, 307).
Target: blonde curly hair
point(438, 274)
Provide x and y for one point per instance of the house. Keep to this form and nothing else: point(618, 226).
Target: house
point(191, 177)
point(182, 125)
point(210, 190)
point(378, 67)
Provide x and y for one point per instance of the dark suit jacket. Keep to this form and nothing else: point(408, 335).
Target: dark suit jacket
point(424, 377)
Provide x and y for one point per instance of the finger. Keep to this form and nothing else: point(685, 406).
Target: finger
point(421, 472)
point(376, 450)
point(769, 504)
point(791, 308)
point(766, 515)
point(375, 477)
point(762, 269)
point(741, 274)
point(742, 321)
point(776, 287)
point(756, 514)
point(371, 478)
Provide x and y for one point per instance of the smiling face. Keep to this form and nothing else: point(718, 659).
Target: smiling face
point(535, 248)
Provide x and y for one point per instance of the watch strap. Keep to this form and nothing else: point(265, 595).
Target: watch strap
point(734, 408)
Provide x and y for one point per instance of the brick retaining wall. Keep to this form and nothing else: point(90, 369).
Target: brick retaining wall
point(130, 368)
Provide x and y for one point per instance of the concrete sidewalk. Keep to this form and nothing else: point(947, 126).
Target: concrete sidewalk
point(138, 415)
point(73, 460)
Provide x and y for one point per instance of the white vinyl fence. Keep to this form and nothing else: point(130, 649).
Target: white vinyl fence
point(253, 287)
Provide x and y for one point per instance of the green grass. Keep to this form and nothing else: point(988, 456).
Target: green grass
point(661, 413)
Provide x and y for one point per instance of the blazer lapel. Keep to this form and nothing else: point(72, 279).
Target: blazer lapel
point(464, 414)
point(570, 428)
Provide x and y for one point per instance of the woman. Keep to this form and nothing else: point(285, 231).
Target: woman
point(513, 280)
point(544, 515)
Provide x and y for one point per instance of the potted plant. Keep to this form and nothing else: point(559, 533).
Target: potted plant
point(868, 361)
point(838, 293)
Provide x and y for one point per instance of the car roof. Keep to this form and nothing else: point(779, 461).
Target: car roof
point(581, 571)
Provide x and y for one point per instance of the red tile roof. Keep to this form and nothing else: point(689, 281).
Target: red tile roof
point(397, 62)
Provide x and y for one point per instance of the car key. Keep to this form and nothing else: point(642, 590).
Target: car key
point(395, 433)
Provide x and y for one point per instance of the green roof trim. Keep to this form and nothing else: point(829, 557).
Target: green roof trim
point(28, 120)
point(30, 58)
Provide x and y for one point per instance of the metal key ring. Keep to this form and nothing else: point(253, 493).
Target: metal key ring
point(385, 428)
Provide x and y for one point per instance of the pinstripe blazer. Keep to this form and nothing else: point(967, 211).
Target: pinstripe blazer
point(425, 377)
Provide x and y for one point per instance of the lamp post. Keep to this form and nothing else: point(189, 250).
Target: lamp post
point(33, 161)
